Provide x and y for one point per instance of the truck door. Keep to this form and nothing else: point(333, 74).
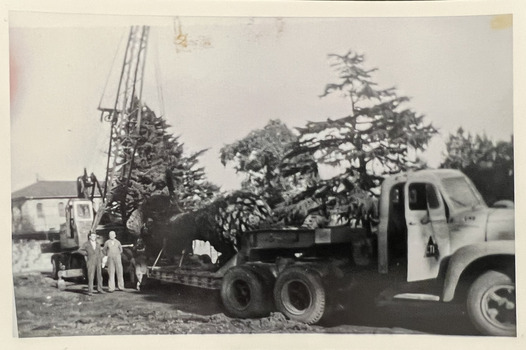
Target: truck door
point(427, 230)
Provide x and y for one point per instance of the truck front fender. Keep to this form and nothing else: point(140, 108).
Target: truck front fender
point(464, 256)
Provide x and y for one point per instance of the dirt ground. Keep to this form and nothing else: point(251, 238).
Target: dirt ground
point(42, 310)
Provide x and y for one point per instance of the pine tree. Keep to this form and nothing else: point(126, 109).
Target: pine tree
point(259, 156)
point(488, 164)
point(375, 138)
point(156, 152)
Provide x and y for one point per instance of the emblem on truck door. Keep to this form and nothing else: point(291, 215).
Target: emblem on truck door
point(432, 249)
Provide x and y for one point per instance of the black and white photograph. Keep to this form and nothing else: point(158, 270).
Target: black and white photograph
point(187, 173)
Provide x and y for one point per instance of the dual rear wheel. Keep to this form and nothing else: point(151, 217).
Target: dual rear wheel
point(250, 292)
point(246, 291)
point(299, 295)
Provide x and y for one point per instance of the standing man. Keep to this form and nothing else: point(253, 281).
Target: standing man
point(113, 250)
point(93, 253)
point(139, 261)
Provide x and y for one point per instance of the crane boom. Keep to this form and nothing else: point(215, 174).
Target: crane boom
point(125, 119)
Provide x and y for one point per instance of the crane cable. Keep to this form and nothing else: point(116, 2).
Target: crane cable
point(101, 138)
point(111, 70)
point(159, 84)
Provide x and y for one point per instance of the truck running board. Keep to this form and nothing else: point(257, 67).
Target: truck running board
point(417, 296)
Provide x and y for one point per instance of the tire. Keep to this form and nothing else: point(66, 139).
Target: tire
point(299, 295)
point(54, 271)
point(77, 261)
point(268, 281)
point(243, 293)
point(491, 304)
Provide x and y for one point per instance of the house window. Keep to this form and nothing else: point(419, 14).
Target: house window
point(40, 210)
point(61, 212)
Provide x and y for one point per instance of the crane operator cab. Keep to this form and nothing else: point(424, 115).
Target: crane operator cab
point(79, 218)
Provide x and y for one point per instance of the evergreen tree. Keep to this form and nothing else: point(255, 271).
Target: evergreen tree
point(156, 153)
point(375, 138)
point(488, 164)
point(258, 156)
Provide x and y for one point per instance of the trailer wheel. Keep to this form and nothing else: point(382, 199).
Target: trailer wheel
point(243, 293)
point(299, 295)
point(491, 304)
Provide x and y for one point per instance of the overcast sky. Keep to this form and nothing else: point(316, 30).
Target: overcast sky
point(237, 73)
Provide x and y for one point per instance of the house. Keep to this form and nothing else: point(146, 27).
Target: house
point(38, 210)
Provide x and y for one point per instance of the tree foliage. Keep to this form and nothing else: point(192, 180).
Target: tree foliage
point(157, 151)
point(374, 139)
point(489, 164)
point(221, 222)
point(176, 202)
point(258, 156)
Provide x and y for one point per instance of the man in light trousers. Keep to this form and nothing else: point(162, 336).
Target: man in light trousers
point(113, 250)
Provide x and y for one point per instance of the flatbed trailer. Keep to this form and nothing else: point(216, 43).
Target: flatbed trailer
point(186, 276)
point(260, 248)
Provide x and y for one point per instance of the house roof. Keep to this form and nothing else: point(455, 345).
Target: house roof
point(47, 189)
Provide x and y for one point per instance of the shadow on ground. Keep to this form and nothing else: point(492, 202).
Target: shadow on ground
point(422, 316)
point(184, 298)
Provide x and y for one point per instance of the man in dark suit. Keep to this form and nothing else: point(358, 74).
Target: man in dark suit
point(93, 253)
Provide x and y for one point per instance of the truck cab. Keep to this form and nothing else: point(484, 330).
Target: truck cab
point(435, 227)
point(427, 216)
point(436, 241)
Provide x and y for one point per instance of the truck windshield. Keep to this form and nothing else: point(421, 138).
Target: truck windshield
point(460, 192)
point(83, 211)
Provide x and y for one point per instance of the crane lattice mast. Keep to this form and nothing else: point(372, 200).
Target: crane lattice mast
point(125, 118)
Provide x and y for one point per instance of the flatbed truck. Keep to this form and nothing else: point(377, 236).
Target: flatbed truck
point(436, 240)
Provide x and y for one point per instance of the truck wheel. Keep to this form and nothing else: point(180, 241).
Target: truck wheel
point(243, 293)
point(268, 281)
point(54, 271)
point(299, 295)
point(78, 261)
point(491, 304)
